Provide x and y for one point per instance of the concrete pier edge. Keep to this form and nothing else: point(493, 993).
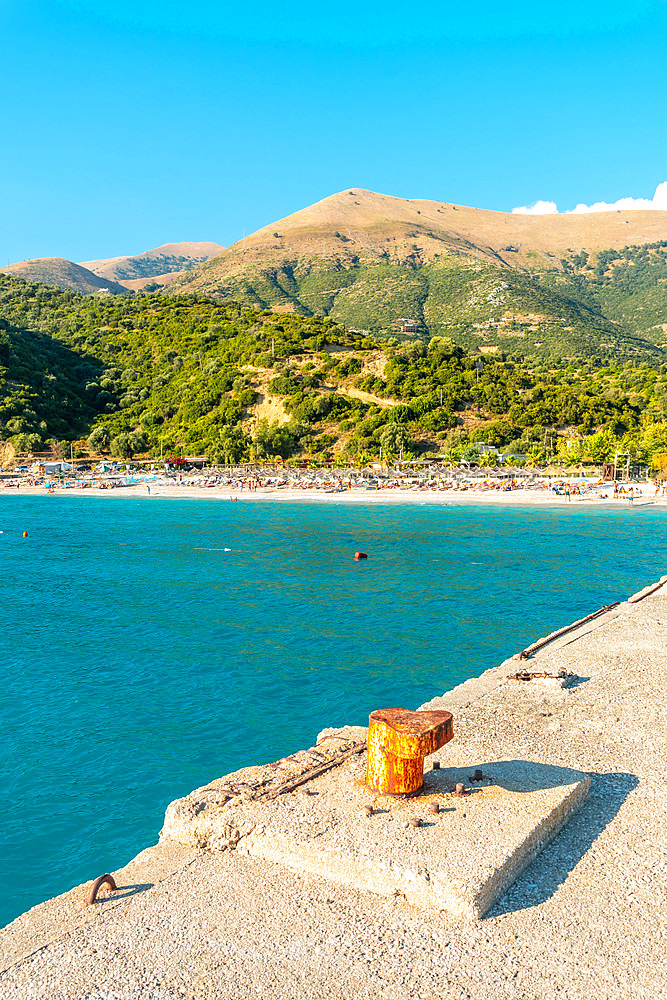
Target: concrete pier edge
point(53, 919)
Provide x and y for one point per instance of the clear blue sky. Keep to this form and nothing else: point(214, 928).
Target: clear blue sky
point(128, 124)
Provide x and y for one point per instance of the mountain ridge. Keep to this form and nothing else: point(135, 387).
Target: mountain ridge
point(165, 259)
point(63, 273)
point(370, 220)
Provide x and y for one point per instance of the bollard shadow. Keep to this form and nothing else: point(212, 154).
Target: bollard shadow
point(543, 876)
point(512, 775)
point(123, 892)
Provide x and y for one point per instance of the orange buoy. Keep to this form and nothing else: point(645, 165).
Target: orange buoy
point(25, 534)
point(360, 555)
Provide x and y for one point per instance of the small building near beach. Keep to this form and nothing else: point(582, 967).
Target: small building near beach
point(51, 468)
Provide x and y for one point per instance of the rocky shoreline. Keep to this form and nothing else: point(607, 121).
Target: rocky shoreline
point(583, 919)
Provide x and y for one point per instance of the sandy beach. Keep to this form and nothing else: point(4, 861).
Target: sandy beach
point(595, 495)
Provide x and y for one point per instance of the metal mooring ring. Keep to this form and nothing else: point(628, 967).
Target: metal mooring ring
point(95, 888)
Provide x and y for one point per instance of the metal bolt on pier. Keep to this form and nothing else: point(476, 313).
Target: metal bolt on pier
point(96, 886)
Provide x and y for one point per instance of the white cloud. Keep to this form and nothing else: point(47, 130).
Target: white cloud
point(658, 203)
point(539, 208)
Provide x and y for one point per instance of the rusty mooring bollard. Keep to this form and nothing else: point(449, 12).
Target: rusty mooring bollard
point(398, 741)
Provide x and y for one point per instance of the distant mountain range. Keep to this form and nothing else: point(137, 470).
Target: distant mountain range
point(117, 274)
point(64, 273)
point(535, 285)
point(154, 265)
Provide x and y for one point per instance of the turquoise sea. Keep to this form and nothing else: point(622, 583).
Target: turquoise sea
point(151, 645)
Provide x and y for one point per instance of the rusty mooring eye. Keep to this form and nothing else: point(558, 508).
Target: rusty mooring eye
point(96, 886)
point(398, 741)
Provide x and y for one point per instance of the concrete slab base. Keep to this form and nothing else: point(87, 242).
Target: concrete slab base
point(458, 860)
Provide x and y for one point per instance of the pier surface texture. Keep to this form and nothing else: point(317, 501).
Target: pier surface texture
point(293, 880)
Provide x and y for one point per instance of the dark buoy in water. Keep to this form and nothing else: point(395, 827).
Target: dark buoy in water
point(360, 555)
point(25, 534)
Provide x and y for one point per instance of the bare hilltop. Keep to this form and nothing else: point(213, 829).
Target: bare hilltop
point(493, 280)
point(356, 225)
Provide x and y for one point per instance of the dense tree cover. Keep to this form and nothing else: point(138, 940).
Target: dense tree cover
point(43, 387)
point(165, 372)
point(628, 286)
point(184, 375)
point(540, 412)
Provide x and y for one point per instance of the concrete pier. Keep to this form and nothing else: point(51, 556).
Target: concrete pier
point(205, 914)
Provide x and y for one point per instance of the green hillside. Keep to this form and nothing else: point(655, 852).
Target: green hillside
point(627, 286)
point(188, 374)
point(542, 315)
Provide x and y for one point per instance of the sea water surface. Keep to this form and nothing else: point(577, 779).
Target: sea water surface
point(153, 644)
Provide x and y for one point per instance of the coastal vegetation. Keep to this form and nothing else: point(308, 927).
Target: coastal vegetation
point(151, 374)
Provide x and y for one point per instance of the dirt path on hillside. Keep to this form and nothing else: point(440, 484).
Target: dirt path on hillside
point(366, 397)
